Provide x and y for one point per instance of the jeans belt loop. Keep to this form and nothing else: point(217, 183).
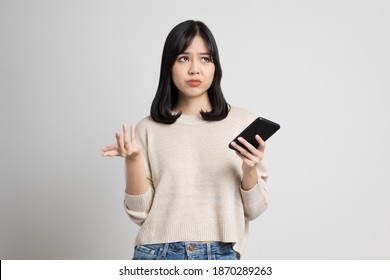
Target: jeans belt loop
point(209, 251)
point(165, 250)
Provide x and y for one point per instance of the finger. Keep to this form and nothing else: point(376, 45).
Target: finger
point(261, 143)
point(252, 154)
point(242, 153)
point(248, 145)
point(132, 134)
point(110, 148)
point(245, 159)
point(125, 135)
point(119, 140)
point(110, 153)
point(238, 148)
point(257, 153)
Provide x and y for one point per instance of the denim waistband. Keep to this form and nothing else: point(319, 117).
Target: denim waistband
point(186, 250)
point(197, 246)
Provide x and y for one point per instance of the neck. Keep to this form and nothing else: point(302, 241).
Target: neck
point(193, 106)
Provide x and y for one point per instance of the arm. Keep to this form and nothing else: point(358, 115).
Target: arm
point(139, 192)
point(136, 182)
point(249, 161)
point(254, 176)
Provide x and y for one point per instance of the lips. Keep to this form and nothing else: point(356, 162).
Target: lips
point(194, 83)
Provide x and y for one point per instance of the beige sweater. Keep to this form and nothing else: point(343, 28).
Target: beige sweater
point(195, 182)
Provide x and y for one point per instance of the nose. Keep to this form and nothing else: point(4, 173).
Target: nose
point(194, 68)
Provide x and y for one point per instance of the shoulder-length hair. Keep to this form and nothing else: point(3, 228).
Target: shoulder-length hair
point(166, 97)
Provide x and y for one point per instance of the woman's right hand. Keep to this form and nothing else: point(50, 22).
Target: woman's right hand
point(123, 147)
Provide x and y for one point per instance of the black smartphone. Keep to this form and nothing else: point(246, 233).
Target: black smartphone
point(261, 126)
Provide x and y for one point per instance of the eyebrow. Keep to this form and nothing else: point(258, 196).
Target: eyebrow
point(201, 53)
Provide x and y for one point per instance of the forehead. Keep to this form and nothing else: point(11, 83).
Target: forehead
point(198, 44)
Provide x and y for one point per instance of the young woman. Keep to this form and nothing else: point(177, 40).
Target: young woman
point(191, 195)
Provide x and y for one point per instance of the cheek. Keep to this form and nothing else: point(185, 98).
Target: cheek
point(210, 74)
point(175, 75)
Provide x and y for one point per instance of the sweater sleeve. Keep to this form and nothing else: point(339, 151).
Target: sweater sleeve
point(137, 206)
point(255, 200)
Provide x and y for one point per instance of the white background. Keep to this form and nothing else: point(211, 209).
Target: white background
point(72, 72)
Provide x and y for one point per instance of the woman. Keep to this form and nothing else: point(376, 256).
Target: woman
point(192, 196)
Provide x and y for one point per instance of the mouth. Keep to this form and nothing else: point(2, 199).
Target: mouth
point(194, 83)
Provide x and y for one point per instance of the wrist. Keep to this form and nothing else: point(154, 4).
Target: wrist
point(249, 171)
point(249, 179)
point(133, 157)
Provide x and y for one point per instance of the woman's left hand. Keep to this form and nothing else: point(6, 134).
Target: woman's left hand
point(250, 159)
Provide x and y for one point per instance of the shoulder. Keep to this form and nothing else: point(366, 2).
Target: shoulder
point(147, 125)
point(238, 114)
point(144, 123)
point(143, 126)
point(144, 129)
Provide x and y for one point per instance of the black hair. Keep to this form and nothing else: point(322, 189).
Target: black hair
point(166, 97)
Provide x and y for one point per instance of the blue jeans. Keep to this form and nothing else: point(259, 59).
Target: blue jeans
point(185, 251)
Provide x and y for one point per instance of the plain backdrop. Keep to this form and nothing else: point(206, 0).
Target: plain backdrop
point(72, 72)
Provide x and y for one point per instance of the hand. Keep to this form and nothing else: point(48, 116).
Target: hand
point(123, 147)
point(253, 156)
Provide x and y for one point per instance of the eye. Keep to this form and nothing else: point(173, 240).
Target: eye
point(183, 58)
point(205, 59)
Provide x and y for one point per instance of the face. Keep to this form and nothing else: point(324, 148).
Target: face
point(193, 71)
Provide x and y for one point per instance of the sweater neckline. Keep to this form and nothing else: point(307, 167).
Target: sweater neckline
point(191, 119)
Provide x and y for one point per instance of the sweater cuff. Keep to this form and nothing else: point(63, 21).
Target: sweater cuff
point(251, 195)
point(255, 201)
point(139, 203)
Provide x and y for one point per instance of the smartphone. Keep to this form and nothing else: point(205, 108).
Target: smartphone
point(261, 126)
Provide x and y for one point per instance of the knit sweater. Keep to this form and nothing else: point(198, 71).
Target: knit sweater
point(194, 182)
